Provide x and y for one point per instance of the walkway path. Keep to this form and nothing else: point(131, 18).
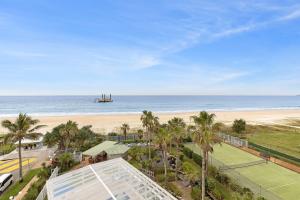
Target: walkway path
point(26, 188)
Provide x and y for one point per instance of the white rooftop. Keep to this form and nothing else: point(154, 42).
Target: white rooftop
point(114, 179)
point(30, 141)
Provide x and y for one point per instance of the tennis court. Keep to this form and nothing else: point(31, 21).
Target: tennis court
point(267, 179)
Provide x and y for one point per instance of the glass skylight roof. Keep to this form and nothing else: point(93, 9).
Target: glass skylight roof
point(110, 180)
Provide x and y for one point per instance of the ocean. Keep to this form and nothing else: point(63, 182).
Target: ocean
point(86, 105)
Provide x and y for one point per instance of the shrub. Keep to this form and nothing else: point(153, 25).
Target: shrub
point(160, 178)
point(181, 157)
point(235, 187)
point(174, 189)
point(217, 194)
point(171, 176)
point(223, 178)
point(196, 193)
point(239, 126)
point(187, 152)
point(261, 198)
point(212, 171)
point(197, 158)
point(211, 184)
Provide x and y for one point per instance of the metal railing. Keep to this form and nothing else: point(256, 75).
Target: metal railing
point(235, 141)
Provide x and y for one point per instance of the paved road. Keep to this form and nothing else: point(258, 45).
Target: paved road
point(31, 159)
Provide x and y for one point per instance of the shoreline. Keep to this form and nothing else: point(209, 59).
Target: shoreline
point(157, 112)
point(109, 122)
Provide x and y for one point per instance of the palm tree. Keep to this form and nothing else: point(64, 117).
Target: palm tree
point(140, 133)
point(177, 130)
point(125, 128)
point(205, 138)
point(83, 136)
point(23, 127)
point(68, 132)
point(151, 124)
point(162, 139)
point(65, 161)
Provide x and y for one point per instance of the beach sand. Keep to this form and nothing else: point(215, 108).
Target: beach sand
point(107, 123)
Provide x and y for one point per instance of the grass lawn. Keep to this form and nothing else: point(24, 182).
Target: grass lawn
point(6, 148)
point(282, 182)
point(14, 189)
point(282, 139)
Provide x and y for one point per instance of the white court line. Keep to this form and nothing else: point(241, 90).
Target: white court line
point(271, 188)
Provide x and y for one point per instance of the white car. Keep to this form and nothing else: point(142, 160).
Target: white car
point(5, 181)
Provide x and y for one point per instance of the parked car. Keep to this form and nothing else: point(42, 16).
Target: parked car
point(5, 181)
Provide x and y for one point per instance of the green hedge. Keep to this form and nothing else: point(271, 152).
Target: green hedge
point(190, 154)
point(197, 158)
point(274, 153)
point(187, 152)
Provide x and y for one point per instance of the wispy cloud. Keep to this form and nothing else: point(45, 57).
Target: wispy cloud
point(295, 14)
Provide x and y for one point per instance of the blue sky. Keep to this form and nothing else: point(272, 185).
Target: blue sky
point(149, 47)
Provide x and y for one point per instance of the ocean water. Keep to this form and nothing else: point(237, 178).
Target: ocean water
point(85, 105)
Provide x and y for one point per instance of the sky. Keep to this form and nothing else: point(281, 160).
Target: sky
point(142, 47)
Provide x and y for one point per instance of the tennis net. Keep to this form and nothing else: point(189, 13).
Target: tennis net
point(242, 165)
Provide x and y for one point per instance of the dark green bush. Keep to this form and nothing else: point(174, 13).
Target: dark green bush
point(223, 178)
point(187, 152)
point(261, 198)
point(235, 187)
point(211, 184)
point(196, 193)
point(197, 158)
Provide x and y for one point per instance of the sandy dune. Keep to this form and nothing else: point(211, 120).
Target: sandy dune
point(106, 123)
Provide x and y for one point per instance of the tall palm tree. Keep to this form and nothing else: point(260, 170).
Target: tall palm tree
point(177, 130)
point(23, 127)
point(125, 128)
point(162, 139)
point(68, 132)
point(205, 138)
point(83, 135)
point(150, 122)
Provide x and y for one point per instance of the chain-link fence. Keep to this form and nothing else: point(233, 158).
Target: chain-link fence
point(243, 181)
point(235, 141)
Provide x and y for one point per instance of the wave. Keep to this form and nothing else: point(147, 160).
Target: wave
point(50, 114)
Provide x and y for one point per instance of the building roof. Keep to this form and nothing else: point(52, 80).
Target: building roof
point(110, 147)
point(30, 141)
point(109, 180)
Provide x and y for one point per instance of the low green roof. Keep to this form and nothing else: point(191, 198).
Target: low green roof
point(110, 147)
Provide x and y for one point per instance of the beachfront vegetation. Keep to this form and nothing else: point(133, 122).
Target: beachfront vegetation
point(68, 135)
point(151, 124)
point(125, 128)
point(34, 190)
point(170, 162)
point(23, 127)
point(280, 138)
point(239, 126)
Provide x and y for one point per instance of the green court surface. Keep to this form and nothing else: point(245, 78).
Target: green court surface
point(271, 177)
